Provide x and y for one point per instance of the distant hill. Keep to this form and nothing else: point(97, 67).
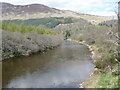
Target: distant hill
point(26, 9)
point(10, 11)
point(72, 26)
point(109, 23)
point(49, 22)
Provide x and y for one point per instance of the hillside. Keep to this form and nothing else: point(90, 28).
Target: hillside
point(10, 11)
point(26, 9)
point(109, 23)
point(49, 22)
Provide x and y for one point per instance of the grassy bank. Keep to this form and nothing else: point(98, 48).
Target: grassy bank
point(101, 77)
point(106, 73)
point(103, 80)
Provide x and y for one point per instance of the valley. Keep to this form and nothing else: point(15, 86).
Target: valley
point(37, 37)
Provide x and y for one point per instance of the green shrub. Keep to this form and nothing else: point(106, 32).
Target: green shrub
point(12, 27)
point(68, 20)
point(90, 41)
point(98, 64)
point(107, 60)
point(80, 38)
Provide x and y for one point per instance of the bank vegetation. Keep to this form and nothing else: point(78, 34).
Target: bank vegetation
point(104, 41)
point(24, 40)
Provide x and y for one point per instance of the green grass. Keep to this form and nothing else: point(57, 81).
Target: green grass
point(107, 80)
point(12, 27)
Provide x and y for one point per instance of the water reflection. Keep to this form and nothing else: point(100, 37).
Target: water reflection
point(63, 67)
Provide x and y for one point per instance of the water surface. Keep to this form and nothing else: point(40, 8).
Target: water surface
point(64, 67)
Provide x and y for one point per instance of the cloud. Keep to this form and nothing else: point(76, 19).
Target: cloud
point(104, 13)
point(99, 7)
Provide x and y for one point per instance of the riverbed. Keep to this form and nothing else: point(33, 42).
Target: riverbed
point(64, 67)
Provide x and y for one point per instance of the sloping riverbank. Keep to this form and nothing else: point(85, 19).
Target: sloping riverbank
point(107, 78)
point(17, 44)
point(100, 78)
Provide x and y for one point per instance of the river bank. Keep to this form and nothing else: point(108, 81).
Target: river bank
point(107, 78)
point(18, 44)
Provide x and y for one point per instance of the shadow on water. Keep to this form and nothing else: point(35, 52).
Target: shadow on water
point(63, 67)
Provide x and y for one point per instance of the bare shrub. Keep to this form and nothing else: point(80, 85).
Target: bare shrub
point(15, 43)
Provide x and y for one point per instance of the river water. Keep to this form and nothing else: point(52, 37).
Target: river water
point(64, 67)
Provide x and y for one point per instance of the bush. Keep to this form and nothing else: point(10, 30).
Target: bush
point(107, 60)
point(90, 41)
point(15, 43)
point(80, 38)
point(12, 27)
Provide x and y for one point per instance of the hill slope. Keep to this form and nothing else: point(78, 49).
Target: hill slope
point(10, 11)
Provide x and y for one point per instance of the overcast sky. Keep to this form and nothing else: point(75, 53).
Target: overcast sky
point(95, 7)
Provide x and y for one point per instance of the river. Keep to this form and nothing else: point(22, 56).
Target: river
point(64, 67)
